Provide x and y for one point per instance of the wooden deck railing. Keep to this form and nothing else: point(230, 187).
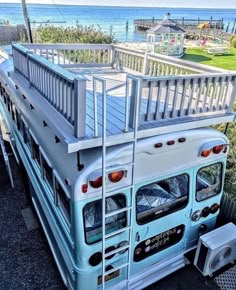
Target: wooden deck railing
point(61, 88)
point(169, 88)
point(68, 55)
point(172, 97)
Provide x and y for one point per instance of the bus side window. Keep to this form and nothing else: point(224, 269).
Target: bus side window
point(13, 112)
point(62, 201)
point(47, 172)
point(35, 151)
point(18, 120)
point(25, 132)
point(209, 181)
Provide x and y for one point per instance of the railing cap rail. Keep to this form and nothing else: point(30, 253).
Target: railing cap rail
point(53, 67)
point(65, 46)
point(187, 77)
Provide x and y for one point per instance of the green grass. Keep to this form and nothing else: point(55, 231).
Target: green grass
point(201, 56)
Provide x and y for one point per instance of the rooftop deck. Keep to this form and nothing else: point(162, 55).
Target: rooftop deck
point(168, 94)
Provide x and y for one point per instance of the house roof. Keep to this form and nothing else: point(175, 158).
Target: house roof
point(166, 26)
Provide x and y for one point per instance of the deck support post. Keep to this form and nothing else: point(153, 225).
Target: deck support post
point(136, 94)
point(79, 107)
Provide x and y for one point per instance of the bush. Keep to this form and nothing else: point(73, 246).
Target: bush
point(233, 41)
point(78, 34)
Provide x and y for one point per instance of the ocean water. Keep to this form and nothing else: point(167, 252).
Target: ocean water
point(110, 19)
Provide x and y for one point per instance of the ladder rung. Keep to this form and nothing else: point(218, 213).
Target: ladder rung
point(108, 193)
point(117, 211)
point(116, 251)
point(118, 167)
point(108, 143)
point(117, 232)
point(117, 268)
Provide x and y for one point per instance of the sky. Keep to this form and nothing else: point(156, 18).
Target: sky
point(142, 3)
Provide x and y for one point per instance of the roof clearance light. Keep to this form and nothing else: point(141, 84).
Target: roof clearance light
point(182, 140)
point(206, 153)
point(158, 145)
point(217, 149)
point(116, 176)
point(171, 142)
point(96, 183)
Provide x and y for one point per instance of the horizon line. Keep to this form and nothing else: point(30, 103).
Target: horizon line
point(122, 6)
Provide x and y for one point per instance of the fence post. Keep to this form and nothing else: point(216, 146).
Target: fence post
point(113, 51)
point(232, 93)
point(79, 106)
point(28, 67)
point(145, 64)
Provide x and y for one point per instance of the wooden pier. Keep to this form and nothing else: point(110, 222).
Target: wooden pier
point(145, 24)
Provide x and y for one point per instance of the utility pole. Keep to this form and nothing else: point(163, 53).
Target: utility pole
point(27, 22)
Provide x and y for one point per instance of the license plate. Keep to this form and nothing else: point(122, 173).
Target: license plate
point(109, 276)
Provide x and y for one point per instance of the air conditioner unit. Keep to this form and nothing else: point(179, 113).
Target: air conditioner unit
point(216, 249)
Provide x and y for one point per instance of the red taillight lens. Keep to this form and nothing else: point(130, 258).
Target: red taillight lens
point(116, 176)
point(215, 207)
point(217, 149)
point(84, 188)
point(206, 153)
point(206, 211)
point(110, 249)
point(96, 183)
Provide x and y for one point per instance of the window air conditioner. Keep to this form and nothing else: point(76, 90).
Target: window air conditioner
point(216, 249)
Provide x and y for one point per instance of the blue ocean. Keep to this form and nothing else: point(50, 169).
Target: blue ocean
point(110, 19)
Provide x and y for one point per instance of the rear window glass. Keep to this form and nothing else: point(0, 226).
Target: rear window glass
point(161, 198)
point(209, 181)
point(93, 217)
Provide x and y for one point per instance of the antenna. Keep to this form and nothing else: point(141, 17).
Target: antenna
point(27, 22)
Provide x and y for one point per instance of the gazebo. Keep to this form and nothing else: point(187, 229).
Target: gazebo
point(166, 38)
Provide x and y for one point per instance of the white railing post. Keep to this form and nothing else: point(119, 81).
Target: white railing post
point(231, 94)
point(145, 64)
point(113, 61)
point(79, 107)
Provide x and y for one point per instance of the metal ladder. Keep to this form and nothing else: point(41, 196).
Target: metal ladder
point(106, 193)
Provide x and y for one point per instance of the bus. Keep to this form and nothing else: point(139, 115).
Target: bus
point(120, 208)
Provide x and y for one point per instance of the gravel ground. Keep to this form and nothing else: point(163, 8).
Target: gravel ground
point(26, 261)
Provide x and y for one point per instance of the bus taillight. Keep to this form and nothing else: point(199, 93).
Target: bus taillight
point(96, 183)
point(116, 176)
point(217, 149)
point(206, 153)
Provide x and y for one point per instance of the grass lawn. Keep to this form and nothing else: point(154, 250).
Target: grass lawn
point(201, 56)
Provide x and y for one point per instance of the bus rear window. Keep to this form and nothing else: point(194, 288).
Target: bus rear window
point(209, 181)
point(93, 217)
point(161, 198)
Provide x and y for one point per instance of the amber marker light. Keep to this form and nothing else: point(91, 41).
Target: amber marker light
point(96, 183)
point(116, 176)
point(206, 153)
point(217, 149)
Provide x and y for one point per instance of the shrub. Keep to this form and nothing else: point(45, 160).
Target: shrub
point(233, 41)
point(78, 34)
